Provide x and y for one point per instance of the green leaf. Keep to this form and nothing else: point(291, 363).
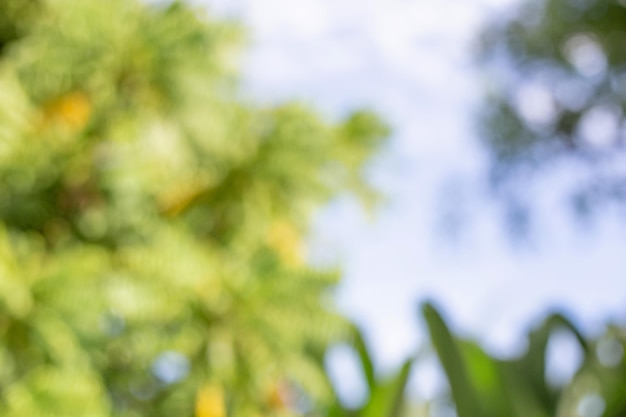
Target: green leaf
point(387, 398)
point(365, 357)
point(449, 353)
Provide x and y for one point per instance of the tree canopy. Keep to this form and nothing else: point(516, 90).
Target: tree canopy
point(152, 219)
point(556, 95)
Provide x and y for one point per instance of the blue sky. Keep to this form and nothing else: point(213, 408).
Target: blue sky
point(411, 61)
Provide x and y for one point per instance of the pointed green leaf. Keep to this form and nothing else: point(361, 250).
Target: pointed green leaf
point(387, 398)
point(365, 357)
point(463, 393)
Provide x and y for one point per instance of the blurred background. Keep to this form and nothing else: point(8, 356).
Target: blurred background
point(487, 99)
point(250, 241)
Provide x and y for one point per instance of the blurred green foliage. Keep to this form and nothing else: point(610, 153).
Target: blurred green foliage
point(556, 96)
point(152, 220)
point(152, 225)
point(482, 385)
point(555, 73)
point(387, 395)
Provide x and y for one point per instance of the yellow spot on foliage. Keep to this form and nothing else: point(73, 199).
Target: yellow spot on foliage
point(72, 110)
point(279, 396)
point(284, 238)
point(210, 402)
point(275, 399)
point(177, 199)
